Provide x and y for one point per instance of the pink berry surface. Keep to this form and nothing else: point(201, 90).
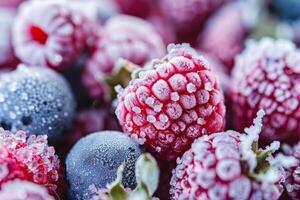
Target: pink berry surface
point(169, 106)
point(266, 76)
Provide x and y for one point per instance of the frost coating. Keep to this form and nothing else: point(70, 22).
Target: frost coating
point(179, 100)
point(49, 33)
point(122, 37)
point(225, 165)
point(292, 171)
point(186, 14)
point(94, 160)
point(28, 159)
point(266, 76)
point(23, 190)
point(36, 100)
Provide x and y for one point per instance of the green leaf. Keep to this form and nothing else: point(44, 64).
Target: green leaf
point(147, 173)
point(140, 193)
point(117, 192)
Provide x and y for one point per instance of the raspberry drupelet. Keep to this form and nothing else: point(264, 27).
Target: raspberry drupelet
point(122, 37)
point(229, 165)
point(173, 102)
point(266, 76)
point(28, 159)
point(24, 190)
point(49, 33)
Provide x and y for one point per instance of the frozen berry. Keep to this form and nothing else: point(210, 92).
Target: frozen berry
point(168, 106)
point(10, 3)
point(36, 100)
point(165, 29)
point(228, 165)
point(140, 8)
point(286, 9)
point(188, 15)
point(49, 33)
point(224, 34)
point(91, 121)
point(99, 10)
point(7, 58)
point(122, 37)
point(28, 159)
point(94, 160)
point(292, 183)
point(266, 76)
point(23, 190)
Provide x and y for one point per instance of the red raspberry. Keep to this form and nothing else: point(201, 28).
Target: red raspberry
point(227, 165)
point(27, 159)
point(174, 103)
point(122, 37)
point(266, 76)
point(7, 57)
point(23, 190)
point(234, 25)
point(49, 33)
point(292, 183)
point(188, 15)
point(90, 121)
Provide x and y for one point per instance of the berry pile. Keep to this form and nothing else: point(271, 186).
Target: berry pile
point(149, 100)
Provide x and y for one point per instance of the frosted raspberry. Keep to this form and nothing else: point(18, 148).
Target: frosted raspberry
point(7, 58)
point(189, 14)
point(49, 33)
point(292, 183)
point(266, 76)
point(91, 121)
point(175, 102)
point(27, 159)
point(227, 165)
point(23, 190)
point(234, 25)
point(122, 37)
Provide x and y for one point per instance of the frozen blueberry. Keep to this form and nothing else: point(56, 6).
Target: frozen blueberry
point(94, 160)
point(36, 100)
point(286, 9)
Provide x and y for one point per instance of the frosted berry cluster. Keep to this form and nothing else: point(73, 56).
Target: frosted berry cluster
point(225, 166)
point(49, 33)
point(266, 76)
point(23, 190)
point(169, 105)
point(28, 159)
point(122, 37)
